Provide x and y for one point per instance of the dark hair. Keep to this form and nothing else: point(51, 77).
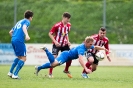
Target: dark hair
point(28, 14)
point(103, 29)
point(66, 14)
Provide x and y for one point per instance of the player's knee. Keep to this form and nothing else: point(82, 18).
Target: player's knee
point(54, 64)
point(91, 59)
point(94, 69)
point(23, 58)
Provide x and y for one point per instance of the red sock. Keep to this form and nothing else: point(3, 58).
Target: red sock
point(68, 64)
point(88, 66)
point(50, 71)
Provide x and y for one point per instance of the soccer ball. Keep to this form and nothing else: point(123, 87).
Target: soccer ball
point(100, 56)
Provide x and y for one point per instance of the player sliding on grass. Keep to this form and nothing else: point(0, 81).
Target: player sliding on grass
point(74, 53)
point(100, 39)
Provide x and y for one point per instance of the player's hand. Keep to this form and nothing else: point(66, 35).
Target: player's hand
point(69, 44)
point(109, 58)
point(27, 38)
point(106, 50)
point(88, 70)
point(57, 44)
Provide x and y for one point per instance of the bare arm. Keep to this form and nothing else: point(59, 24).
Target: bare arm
point(52, 38)
point(83, 64)
point(69, 44)
point(10, 32)
point(101, 48)
point(106, 50)
point(107, 53)
point(26, 33)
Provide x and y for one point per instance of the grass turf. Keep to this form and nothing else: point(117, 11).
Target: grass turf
point(104, 77)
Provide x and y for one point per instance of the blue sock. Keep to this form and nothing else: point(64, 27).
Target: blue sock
point(44, 66)
point(15, 62)
point(50, 56)
point(19, 66)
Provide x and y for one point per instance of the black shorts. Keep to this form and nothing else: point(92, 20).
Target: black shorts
point(88, 54)
point(55, 50)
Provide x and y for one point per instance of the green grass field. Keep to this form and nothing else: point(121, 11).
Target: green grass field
point(104, 77)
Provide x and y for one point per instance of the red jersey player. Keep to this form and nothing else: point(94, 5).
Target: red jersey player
point(59, 36)
point(99, 40)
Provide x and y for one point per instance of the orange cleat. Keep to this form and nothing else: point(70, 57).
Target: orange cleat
point(68, 74)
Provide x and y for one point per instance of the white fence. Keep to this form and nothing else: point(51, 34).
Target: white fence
point(121, 55)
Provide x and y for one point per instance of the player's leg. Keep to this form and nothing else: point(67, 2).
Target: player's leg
point(21, 53)
point(19, 66)
point(94, 67)
point(90, 59)
point(55, 51)
point(50, 64)
point(15, 62)
point(49, 54)
point(68, 63)
point(45, 66)
point(51, 70)
point(61, 59)
point(95, 64)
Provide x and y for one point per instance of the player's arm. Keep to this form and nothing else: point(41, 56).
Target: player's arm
point(51, 35)
point(83, 64)
point(107, 53)
point(10, 32)
point(101, 48)
point(26, 33)
point(68, 41)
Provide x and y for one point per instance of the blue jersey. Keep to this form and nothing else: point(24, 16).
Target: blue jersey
point(72, 53)
point(79, 50)
point(18, 33)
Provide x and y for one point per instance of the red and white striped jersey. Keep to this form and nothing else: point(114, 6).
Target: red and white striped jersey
point(98, 42)
point(61, 32)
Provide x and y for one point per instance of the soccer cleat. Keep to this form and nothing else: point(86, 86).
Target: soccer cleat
point(50, 76)
point(68, 74)
point(84, 75)
point(9, 74)
point(36, 70)
point(43, 47)
point(15, 77)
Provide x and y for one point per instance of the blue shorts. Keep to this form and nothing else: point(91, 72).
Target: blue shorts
point(19, 48)
point(63, 57)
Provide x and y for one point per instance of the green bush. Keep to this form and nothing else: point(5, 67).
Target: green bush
point(87, 18)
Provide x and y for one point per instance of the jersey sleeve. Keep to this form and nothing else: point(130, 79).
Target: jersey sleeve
point(80, 52)
point(27, 24)
point(69, 27)
point(92, 47)
point(53, 29)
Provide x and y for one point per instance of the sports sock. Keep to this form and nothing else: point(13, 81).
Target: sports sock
point(68, 64)
point(50, 71)
point(44, 66)
point(50, 56)
point(19, 66)
point(15, 62)
point(87, 65)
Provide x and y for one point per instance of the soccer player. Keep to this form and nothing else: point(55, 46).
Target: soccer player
point(100, 39)
point(59, 36)
point(74, 53)
point(19, 34)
